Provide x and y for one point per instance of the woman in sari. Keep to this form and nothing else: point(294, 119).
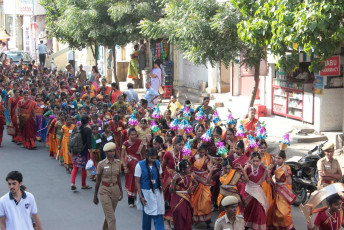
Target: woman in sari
point(66, 131)
point(170, 134)
point(117, 127)
point(239, 155)
point(199, 131)
point(169, 163)
point(201, 198)
point(2, 119)
point(158, 144)
point(26, 120)
point(279, 213)
point(133, 71)
point(250, 122)
point(230, 139)
point(156, 76)
point(332, 216)
point(39, 108)
point(181, 187)
point(267, 161)
point(255, 199)
point(207, 110)
point(13, 104)
point(95, 77)
point(133, 149)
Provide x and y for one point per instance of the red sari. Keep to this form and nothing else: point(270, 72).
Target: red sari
point(256, 202)
point(27, 123)
point(169, 172)
point(325, 222)
point(117, 133)
point(250, 125)
point(180, 204)
point(133, 156)
point(14, 104)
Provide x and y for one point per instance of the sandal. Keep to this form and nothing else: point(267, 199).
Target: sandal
point(86, 187)
point(73, 187)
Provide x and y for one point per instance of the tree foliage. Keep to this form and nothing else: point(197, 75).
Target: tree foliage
point(107, 22)
point(294, 26)
point(199, 28)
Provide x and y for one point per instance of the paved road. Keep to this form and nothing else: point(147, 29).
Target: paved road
point(59, 207)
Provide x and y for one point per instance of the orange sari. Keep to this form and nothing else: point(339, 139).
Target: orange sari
point(267, 188)
point(250, 125)
point(201, 198)
point(279, 213)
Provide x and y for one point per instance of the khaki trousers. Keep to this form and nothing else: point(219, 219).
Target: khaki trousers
point(109, 198)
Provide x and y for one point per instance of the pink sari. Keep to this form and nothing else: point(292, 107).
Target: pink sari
point(256, 202)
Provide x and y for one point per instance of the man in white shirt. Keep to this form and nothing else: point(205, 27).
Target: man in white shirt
point(131, 94)
point(42, 53)
point(17, 206)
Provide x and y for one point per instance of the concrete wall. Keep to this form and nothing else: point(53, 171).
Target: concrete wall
point(328, 110)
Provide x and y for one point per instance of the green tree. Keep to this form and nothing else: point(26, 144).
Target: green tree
point(292, 26)
point(82, 23)
point(205, 31)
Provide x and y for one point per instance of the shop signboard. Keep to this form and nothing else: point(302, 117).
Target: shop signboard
point(319, 85)
point(332, 67)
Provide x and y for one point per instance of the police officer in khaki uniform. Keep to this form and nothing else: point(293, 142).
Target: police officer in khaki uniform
point(109, 185)
point(328, 167)
point(230, 220)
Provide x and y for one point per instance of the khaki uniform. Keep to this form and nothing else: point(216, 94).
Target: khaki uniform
point(223, 223)
point(327, 166)
point(109, 190)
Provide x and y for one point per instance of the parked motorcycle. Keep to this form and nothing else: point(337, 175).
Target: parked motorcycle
point(305, 174)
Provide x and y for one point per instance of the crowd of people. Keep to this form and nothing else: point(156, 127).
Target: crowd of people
point(180, 165)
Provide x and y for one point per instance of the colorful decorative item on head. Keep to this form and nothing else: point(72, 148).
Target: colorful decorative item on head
point(260, 131)
point(184, 127)
point(285, 142)
point(216, 119)
point(252, 143)
point(187, 113)
point(231, 122)
point(174, 124)
point(133, 120)
point(221, 149)
point(154, 127)
point(186, 151)
point(241, 132)
point(157, 114)
point(201, 116)
point(207, 136)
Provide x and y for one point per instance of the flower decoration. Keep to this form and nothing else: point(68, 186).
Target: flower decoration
point(51, 117)
point(133, 120)
point(260, 132)
point(206, 136)
point(231, 121)
point(174, 124)
point(216, 119)
point(285, 142)
point(156, 114)
point(252, 143)
point(186, 151)
point(185, 125)
point(221, 149)
point(286, 139)
point(200, 115)
point(154, 127)
point(241, 131)
point(187, 113)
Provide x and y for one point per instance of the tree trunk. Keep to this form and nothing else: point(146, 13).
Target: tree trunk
point(115, 65)
point(94, 52)
point(256, 84)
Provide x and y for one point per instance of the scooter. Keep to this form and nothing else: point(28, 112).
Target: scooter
point(305, 174)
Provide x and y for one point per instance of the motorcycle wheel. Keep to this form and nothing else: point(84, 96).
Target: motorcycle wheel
point(300, 193)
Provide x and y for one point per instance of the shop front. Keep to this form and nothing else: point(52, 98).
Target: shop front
point(315, 98)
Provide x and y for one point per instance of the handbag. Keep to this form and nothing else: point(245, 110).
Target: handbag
point(11, 130)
